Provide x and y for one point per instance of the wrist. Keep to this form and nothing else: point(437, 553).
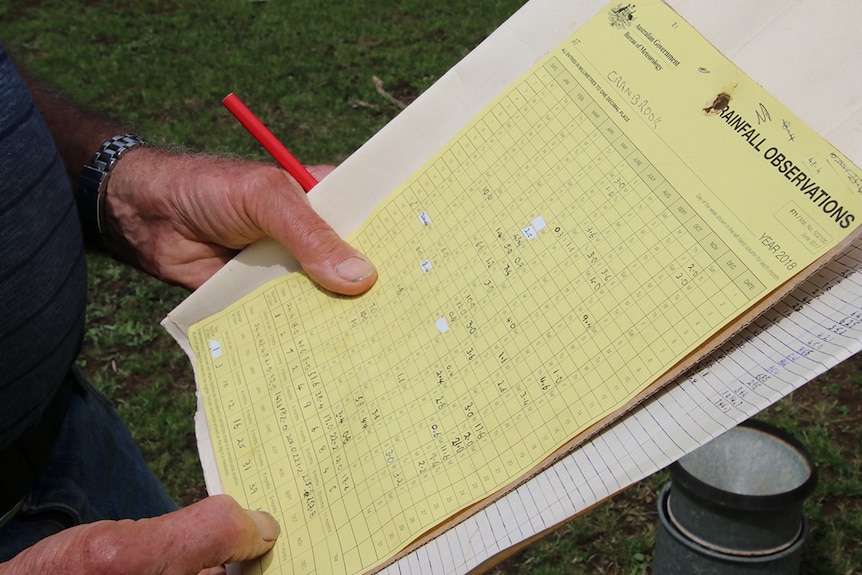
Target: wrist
point(93, 186)
point(138, 202)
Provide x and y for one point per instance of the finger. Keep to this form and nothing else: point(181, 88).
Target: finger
point(320, 171)
point(207, 534)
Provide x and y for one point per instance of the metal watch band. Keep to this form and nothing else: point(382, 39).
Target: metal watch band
point(93, 181)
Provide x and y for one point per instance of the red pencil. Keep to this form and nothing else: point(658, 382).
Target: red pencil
point(266, 138)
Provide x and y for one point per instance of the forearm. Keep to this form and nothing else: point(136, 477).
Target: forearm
point(77, 133)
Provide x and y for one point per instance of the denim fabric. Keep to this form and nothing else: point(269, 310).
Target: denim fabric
point(95, 472)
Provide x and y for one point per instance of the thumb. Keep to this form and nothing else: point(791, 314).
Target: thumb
point(324, 255)
point(209, 533)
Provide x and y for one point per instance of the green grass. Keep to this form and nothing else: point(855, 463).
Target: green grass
point(306, 68)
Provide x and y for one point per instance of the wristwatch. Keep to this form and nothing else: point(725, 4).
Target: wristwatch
point(93, 182)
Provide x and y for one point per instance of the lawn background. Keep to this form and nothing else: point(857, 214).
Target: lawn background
point(307, 69)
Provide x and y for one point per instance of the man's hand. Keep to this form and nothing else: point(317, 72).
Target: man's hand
point(181, 217)
point(200, 538)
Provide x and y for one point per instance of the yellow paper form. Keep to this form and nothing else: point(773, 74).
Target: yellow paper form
point(607, 214)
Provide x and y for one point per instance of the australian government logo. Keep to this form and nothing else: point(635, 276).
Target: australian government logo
point(622, 15)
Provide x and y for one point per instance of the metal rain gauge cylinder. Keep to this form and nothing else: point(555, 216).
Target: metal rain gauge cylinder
point(734, 506)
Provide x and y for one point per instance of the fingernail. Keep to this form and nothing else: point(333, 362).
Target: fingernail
point(266, 524)
point(354, 269)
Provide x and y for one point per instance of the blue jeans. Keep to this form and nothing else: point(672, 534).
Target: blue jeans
point(95, 472)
